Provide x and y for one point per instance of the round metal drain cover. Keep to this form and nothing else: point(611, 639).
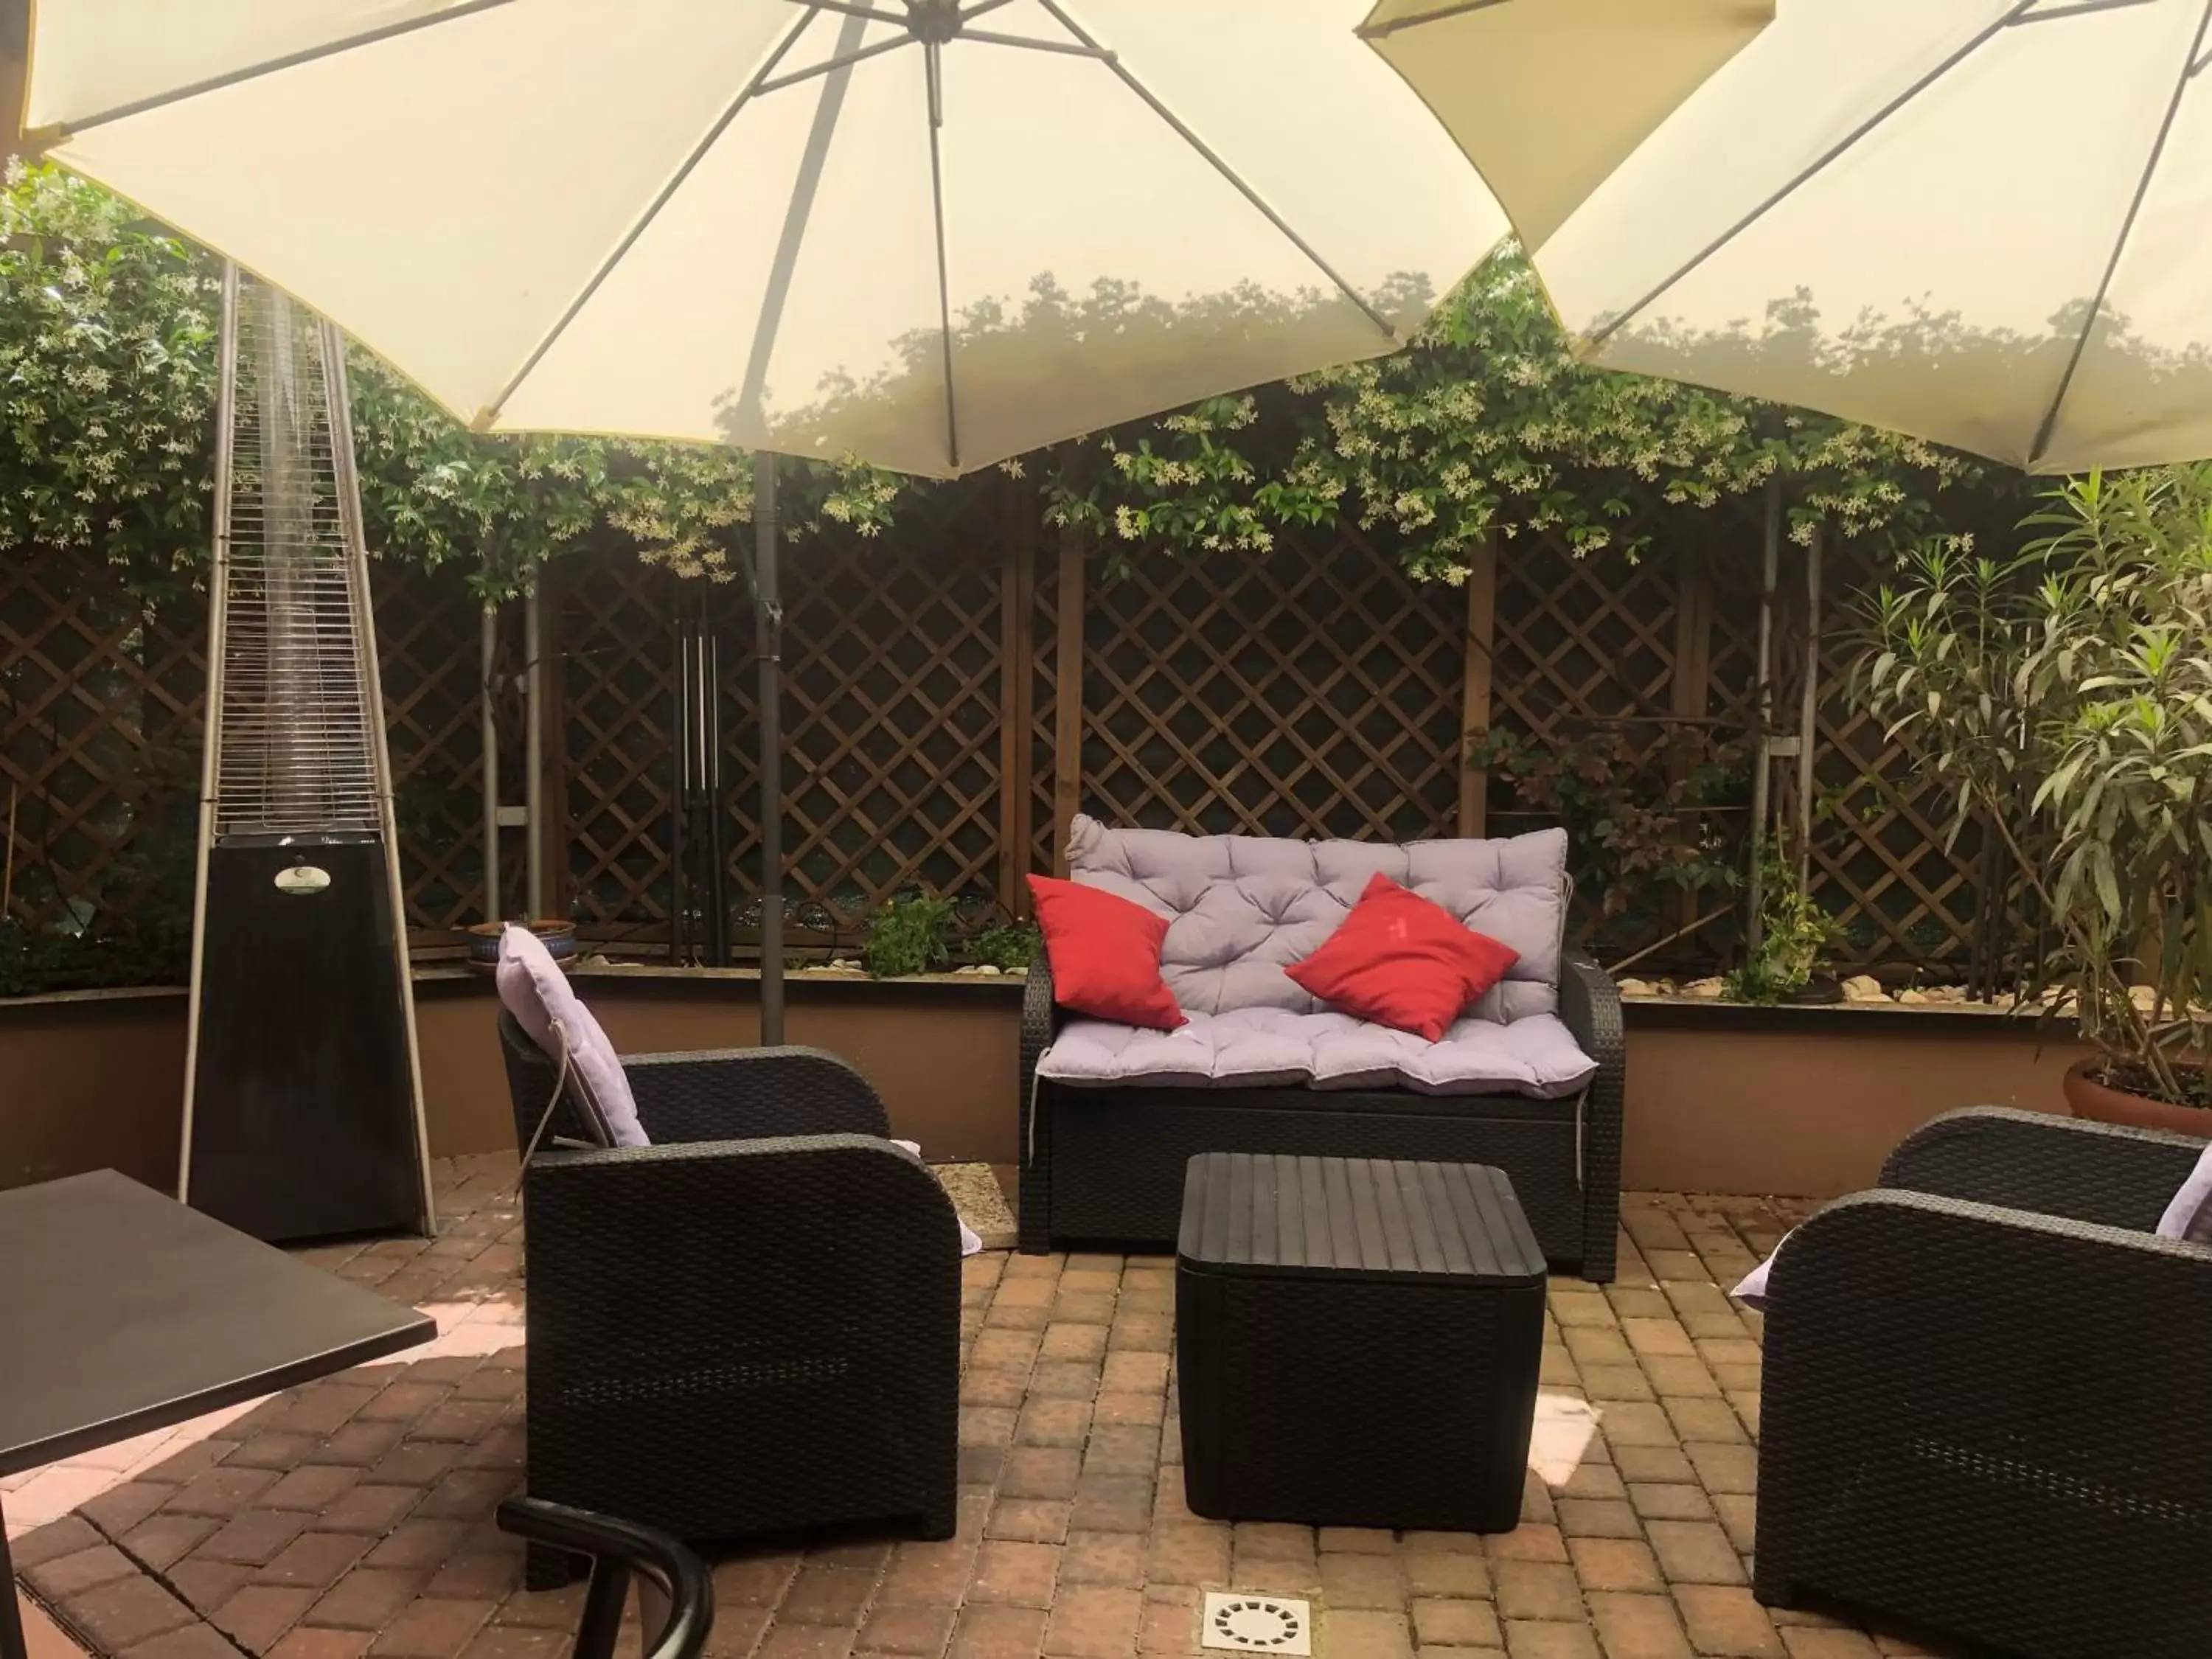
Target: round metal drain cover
point(1258, 1624)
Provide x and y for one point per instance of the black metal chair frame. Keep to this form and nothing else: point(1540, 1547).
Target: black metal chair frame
point(1981, 1409)
point(752, 1325)
point(676, 1596)
point(1105, 1164)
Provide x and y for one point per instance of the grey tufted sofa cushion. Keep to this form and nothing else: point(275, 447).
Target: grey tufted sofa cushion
point(1241, 908)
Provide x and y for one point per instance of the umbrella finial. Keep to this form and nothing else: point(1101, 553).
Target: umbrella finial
point(933, 21)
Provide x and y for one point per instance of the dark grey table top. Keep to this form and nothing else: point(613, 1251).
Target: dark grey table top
point(122, 1311)
point(1356, 1218)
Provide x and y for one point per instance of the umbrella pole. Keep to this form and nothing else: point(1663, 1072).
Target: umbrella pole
point(768, 632)
point(1762, 764)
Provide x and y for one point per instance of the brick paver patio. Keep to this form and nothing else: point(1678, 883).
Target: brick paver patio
point(353, 1516)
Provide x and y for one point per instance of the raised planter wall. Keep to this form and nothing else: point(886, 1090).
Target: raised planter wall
point(1810, 1102)
point(90, 1080)
point(1725, 1100)
point(941, 1051)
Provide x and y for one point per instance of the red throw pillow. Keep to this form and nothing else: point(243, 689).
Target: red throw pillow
point(1105, 955)
point(1401, 960)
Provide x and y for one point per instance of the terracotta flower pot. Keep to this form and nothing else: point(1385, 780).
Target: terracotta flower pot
point(559, 939)
point(2091, 1097)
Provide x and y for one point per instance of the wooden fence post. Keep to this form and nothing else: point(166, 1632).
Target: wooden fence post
point(1474, 698)
point(1068, 711)
point(1017, 679)
point(1691, 694)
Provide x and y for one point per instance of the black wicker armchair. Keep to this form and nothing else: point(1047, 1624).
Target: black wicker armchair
point(752, 1325)
point(1983, 1409)
point(1106, 1164)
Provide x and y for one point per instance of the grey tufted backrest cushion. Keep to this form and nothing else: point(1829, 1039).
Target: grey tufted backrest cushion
point(1241, 908)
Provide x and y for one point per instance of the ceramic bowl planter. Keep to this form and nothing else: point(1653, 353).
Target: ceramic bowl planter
point(2089, 1096)
point(559, 939)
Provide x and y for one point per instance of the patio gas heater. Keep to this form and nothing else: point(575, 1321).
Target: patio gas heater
point(303, 1107)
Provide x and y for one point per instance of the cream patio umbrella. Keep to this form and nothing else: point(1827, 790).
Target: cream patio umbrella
point(1981, 222)
point(926, 236)
point(929, 233)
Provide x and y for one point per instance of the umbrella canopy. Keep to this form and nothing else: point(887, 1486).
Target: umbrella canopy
point(928, 234)
point(1982, 222)
point(1492, 75)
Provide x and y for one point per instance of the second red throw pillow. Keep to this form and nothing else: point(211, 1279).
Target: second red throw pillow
point(1401, 960)
point(1105, 955)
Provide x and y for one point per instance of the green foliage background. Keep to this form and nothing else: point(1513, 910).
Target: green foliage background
point(1486, 425)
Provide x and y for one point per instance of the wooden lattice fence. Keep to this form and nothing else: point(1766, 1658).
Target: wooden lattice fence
point(426, 641)
point(102, 697)
point(895, 703)
point(898, 732)
point(958, 687)
point(100, 706)
point(1311, 692)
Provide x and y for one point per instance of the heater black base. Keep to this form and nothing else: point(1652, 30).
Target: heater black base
point(303, 1121)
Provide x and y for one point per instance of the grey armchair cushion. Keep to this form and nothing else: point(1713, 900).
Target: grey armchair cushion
point(2188, 1218)
point(532, 989)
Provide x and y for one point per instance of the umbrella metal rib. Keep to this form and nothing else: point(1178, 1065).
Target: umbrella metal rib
point(1236, 179)
point(61, 130)
point(936, 68)
point(1820, 164)
point(843, 60)
point(2083, 5)
point(652, 210)
point(991, 38)
point(1378, 31)
point(2189, 60)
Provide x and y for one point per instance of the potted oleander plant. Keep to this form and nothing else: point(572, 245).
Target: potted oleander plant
point(2064, 695)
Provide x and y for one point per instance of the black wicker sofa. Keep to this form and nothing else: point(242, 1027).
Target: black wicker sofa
point(1104, 1162)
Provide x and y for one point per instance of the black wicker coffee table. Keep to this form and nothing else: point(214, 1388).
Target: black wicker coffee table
point(1358, 1341)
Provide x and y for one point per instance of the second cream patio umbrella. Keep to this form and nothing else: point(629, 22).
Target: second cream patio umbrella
point(928, 234)
point(1980, 221)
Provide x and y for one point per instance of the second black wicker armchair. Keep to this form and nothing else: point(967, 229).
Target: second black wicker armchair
point(752, 1325)
point(1984, 1401)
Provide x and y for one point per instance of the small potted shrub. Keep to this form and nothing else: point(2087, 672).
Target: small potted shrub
point(1795, 937)
point(909, 934)
point(2065, 697)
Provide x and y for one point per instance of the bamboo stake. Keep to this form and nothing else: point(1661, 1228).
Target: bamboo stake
point(8, 879)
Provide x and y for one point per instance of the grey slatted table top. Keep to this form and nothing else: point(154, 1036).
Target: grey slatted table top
point(1363, 1218)
point(121, 1311)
